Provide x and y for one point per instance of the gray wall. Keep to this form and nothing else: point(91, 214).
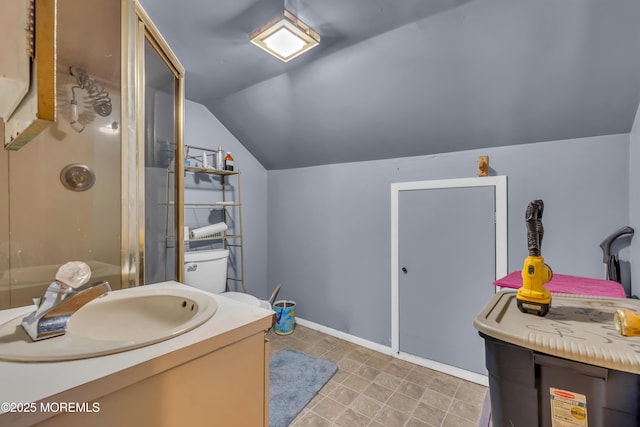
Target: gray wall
point(478, 74)
point(324, 232)
point(329, 226)
point(634, 201)
point(202, 129)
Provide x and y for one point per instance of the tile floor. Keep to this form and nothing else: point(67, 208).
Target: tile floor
point(376, 390)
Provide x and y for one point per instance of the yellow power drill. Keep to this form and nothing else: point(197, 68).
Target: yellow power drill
point(533, 297)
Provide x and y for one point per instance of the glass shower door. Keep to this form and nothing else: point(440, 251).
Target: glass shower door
point(160, 101)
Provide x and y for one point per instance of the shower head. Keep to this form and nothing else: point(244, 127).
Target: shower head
point(98, 97)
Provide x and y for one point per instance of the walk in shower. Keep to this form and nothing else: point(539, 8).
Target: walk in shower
point(97, 185)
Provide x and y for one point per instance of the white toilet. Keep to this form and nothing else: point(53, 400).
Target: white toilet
point(207, 270)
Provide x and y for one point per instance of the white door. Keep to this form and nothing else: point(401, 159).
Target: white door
point(447, 260)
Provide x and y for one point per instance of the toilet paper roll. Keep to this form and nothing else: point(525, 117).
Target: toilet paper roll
point(208, 231)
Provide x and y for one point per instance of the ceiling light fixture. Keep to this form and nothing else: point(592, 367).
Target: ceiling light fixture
point(285, 37)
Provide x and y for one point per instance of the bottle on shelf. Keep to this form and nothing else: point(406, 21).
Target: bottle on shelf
point(228, 162)
point(220, 158)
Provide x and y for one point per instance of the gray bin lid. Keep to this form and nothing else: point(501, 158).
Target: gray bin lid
point(578, 328)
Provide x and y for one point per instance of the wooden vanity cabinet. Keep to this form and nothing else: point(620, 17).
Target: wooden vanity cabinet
point(225, 387)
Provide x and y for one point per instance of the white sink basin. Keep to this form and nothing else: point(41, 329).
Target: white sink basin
point(121, 320)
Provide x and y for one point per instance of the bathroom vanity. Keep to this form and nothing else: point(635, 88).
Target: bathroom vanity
point(215, 374)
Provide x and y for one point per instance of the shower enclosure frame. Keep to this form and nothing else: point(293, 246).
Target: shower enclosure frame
point(137, 29)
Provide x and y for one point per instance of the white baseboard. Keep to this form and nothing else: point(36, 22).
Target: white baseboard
point(344, 336)
point(436, 366)
point(446, 369)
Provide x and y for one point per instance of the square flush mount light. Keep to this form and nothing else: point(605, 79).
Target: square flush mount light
point(286, 37)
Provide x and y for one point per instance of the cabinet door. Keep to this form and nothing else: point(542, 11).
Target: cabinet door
point(223, 388)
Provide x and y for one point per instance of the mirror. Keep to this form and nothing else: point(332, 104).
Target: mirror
point(25, 111)
point(15, 57)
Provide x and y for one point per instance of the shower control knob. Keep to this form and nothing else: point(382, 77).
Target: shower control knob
point(404, 270)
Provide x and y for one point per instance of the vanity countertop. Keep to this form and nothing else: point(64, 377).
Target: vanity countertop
point(81, 381)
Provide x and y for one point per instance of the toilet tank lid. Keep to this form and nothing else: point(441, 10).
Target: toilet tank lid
point(194, 256)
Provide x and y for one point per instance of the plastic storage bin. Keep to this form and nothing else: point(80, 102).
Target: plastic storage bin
point(568, 369)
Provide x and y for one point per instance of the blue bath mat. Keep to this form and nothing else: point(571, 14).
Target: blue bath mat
point(294, 379)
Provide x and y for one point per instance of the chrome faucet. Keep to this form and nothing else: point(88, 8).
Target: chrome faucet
point(59, 303)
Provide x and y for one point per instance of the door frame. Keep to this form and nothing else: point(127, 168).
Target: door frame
point(500, 191)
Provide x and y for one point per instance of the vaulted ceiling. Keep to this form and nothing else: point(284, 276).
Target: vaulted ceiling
point(394, 78)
